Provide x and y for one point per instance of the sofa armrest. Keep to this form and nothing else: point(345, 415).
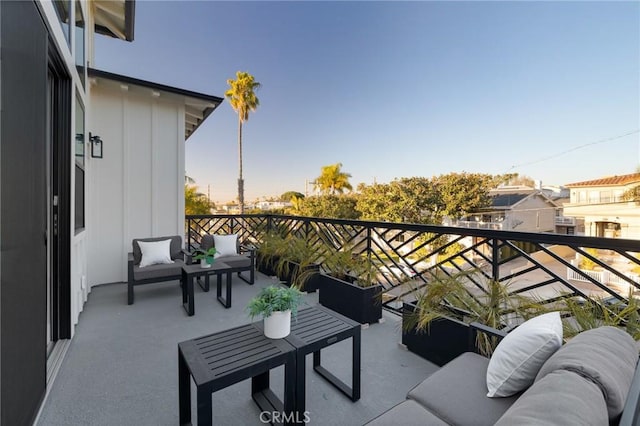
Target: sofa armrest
point(631, 412)
point(476, 327)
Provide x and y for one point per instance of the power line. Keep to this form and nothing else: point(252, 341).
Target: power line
point(574, 149)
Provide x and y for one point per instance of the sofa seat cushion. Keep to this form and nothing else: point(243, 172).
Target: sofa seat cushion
point(236, 261)
point(407, 413)
point(457, 393)
point(559, 398)
point(607, 356)
point(162, 271)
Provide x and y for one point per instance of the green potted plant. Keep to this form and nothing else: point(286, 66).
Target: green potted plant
point(436, 325)
point(206, 257)
point(349, 285)
point(276, 304)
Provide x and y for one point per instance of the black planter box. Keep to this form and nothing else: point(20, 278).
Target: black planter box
point(443, 341)
point(361, 304)
point(311, 272)
point(267, 264)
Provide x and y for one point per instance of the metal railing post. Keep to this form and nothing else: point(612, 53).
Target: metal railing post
point(495, 260)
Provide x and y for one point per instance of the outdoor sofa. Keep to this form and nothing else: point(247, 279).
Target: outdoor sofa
point(594, 379)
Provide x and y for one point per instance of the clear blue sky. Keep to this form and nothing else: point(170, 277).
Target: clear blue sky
point(398, 89)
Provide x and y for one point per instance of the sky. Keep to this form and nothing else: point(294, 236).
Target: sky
point(549, 90)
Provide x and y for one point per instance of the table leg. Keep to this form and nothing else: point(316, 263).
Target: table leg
point(355, 374)
point(187, 296)
point(225, 301)
point(291, 388)
point(301, 387)
point(184, 391)
point(204, 406)
point(353, 392)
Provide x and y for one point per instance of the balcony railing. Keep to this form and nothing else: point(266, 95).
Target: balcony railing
point(532, 263)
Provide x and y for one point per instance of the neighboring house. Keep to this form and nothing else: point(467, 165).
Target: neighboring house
point(67, 215)
point(272, 205)
point(600, 205)
point(514, 209)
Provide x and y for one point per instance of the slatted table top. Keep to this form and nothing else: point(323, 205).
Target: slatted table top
point(229, 356)
point(318, 324)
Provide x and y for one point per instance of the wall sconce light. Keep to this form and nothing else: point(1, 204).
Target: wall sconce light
point(96, 146)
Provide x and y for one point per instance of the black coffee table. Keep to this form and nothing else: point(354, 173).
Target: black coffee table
point(218, 268)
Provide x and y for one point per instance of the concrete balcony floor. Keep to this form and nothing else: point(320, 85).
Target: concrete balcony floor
point(121, 367)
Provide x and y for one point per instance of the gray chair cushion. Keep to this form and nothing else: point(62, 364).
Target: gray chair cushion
point(559, 398)
point(407, 413)
point(159, 271)
point(175, 247)
point(238, 261)
point(606, 355)
point(457, 393)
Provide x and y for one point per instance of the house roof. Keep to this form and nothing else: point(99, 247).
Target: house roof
point(114, 18)
point(507, 200)
point(609, 181)
point(197, 106)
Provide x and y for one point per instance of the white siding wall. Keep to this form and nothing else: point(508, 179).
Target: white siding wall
point(137, 189)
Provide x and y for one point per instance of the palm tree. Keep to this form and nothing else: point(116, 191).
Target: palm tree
point(332, 179)
point(243, 99)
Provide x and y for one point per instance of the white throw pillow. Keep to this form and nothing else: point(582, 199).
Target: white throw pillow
point(226, 245)
point(155, 252)
point(520, 355)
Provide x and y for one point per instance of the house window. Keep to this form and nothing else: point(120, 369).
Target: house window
point(594, 197)
point(79, 169)
point(79, 42)
point(605, 197)
point(63, 8)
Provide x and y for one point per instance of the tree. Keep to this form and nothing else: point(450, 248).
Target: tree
point(330, 206)
point(333, 180)
point(632, 194)
point(290, 195)
point(196, 202)
point(404, 200)
point(461, 193)
point(243, 99)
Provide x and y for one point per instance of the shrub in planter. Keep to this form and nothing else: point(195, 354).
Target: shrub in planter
point(348, 289)
point(269, 252)
point(296, 266)
point(469, 297)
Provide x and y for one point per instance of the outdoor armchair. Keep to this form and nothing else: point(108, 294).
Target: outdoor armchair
point(169, 270)
point(237, 256)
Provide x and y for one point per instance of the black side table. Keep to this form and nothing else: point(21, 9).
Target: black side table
point(222, 359)
point(316, 328)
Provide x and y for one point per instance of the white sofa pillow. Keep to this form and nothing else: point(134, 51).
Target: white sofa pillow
point(155, 252)
point(226, 245)
point(520, 355)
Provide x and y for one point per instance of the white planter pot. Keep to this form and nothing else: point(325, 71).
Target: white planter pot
point(204, 264)
point(278, 325)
